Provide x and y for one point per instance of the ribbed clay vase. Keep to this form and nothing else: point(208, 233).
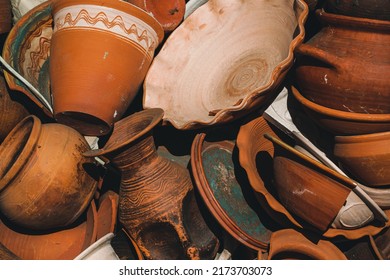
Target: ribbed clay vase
point(99, 55)
point(45, 182)
point(345, 65)
point(169, 13)
point(157, 205)
point(5, 16)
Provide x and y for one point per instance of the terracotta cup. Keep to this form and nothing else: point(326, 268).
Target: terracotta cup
point(169, 13)
point(100, 53)
point(45, 182)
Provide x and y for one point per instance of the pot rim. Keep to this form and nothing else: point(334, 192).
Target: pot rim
point(357, 23)
point(25, 151)
point(364, 138)
point(344, 115)
point(153, 116)
point(118, 5)
point(95, 246)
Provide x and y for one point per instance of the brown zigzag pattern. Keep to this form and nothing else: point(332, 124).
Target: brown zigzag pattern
point(102, 17)
point(41, 54)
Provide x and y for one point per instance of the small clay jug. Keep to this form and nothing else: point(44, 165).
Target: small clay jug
point(345, 65)
point(11, 112)
point(157, 205)
point(169, 13)
point(45, 182)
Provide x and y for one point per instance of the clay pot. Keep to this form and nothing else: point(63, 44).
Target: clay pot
point(169, 13)
point(99, 250)
point(6, 254)
point(340, 122)
point(375, 9)
point(226, 59)
point(256, 157)
point(45, 182)
point(107, 213)
point(291, 244)
point(342, 67)
point(215, 177)
point(5, 16)
point(366, 157)
point(99, 55)
point(64, 244)
point(27, 49)
point(157, 205)
point(11, 112)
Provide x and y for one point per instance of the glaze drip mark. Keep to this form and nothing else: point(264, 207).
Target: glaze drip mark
point(117, 21)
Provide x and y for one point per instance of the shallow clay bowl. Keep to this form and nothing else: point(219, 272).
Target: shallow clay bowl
point(215, 177)
point(375, 9)
point(291, 244)
point(366, 157)
point(27, 50)
point(256, 157)
point(65, 244)
point(225, 59)
point(341, 122)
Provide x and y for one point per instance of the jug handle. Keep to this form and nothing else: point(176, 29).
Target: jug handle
point(321, 55)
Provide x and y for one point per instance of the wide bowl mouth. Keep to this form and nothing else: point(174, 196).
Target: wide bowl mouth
point(116, 5)
point(129, 130)
point(338, 114)
point(84, 123)
point(244, 77)
point(17, 147)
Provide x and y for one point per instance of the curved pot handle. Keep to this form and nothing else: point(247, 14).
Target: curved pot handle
point(321, 55)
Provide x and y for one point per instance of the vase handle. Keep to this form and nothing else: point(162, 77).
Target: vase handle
point(321, 55)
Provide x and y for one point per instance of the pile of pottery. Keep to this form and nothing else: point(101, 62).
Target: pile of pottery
point(143, 130)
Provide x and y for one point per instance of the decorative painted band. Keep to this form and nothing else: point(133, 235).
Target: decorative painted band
point(109, 20)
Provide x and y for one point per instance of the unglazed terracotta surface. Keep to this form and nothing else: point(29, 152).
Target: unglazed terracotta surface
point(63, 244)
point(375, 9)
point(5, 16)
point(365, 157)
point(107, 213)
point(340, 122)
point(157, 203)
point(256, 158)
point(45, 182)
point(93, 95)
point(169, 13)
point(343, 66)
point(214, 173)
point(291, 244)
point(225, 59)
point(27, 50)
point(11, 112)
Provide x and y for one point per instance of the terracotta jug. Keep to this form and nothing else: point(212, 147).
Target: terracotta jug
point(345, 65)
point(169, 13)
point(11, 112)
point(156, 199)
point(45, 182)
point(99, 55)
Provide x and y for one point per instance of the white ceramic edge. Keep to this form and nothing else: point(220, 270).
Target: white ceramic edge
point(100, 250)
point(192, 5)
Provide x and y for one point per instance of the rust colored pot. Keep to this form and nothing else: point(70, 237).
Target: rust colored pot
point(375, 9)
point(366, 157)
point(256, 157)
point(45, 182)
point(11, 112)
point(99, 54)
point(344, 65)
point(157, 205)
point(291, 244)
point(5, 16)
point(63, 244)
point(169, 13)
point(6, 254)
point(107, 213)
